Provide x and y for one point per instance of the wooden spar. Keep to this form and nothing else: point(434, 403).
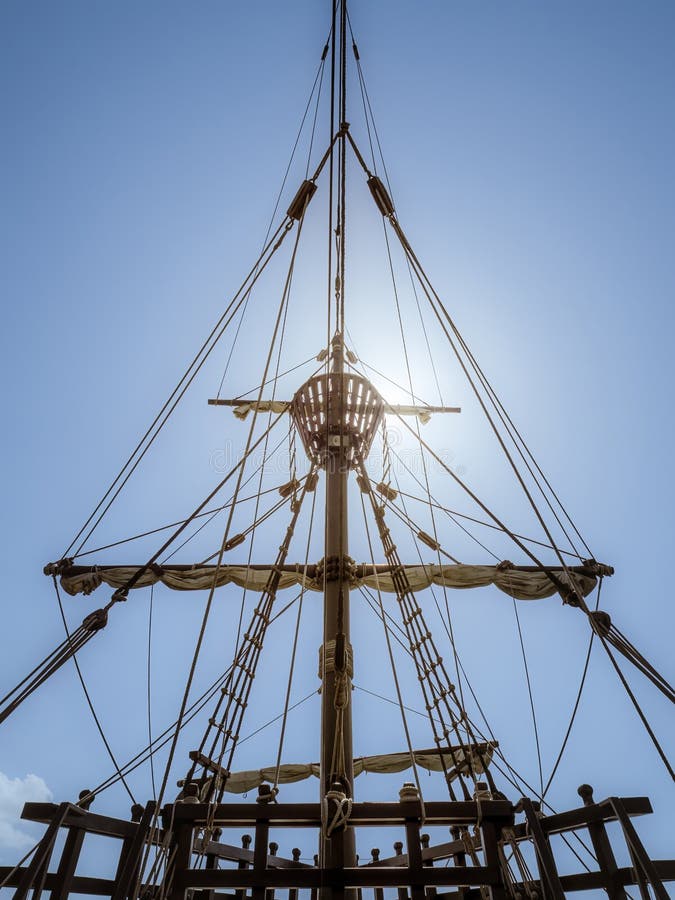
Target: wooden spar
point(396, 409)
point(360, 569)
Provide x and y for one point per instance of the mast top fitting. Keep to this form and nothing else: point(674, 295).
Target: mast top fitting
point(337, 411)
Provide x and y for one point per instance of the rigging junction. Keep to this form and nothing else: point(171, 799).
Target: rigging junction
point(181, 849)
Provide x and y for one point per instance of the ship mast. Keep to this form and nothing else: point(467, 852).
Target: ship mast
point(336, 657)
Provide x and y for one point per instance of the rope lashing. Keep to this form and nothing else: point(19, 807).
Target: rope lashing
point(342, 690)
point(336, 808)
point(386, 490)
point(289, 488)
point(235, 541)
point(267, 793)
point(601, 622)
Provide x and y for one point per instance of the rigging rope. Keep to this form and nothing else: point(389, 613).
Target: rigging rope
point(530, 695)
point(228, 506)
point(208, 512)
point(433, 592)
point(369, 117)
point(91, 624)
point(149, 675)
point(90, 703)
point(193, 710)
point(318, 77)
point(291, 670)
point(515, 779)
point(638, 708)
point(392, 664)
point(429, 291)
point(436, 303)
point(576, 702)
point(436, 686)
point(247, 451)
point(451, 513)
point(235, 693)
point(274, 380)
point(565, 592)
point(195, 366)
point(434, 300)
point(176, 395)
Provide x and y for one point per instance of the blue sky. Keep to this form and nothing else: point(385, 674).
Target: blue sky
point(530, 151)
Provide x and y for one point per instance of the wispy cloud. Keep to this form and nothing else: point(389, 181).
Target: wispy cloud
point(15, 835)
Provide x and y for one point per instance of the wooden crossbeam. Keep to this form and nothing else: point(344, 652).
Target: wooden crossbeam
point(237, 854)
point(582, 881)
point(584, 815)
point(207, 763)
point(397, 409)
point(308, 815)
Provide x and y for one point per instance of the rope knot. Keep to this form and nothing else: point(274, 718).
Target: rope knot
point(266, 793)
point(336, 808)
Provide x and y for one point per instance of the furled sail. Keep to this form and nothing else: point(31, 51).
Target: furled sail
point(241, 408)
point(476, 756)
point(521, 582)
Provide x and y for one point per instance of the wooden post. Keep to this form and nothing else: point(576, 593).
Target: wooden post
point(274, 848)
point(401, 893)
point(642, 864)
point(548, 872)
point(262, 831)
point(35, 872)
point(246, 841)
point(130, 861)
point(603, 850)
point(431, 892)
point(211, 863)
point(411, 808)
point(490, 832)
point(293, 892)
point(182, 850)
point(459, 857)
point(70, 855)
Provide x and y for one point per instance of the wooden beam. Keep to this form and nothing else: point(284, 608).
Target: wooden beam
point(235, 854)
point(308, 815)
point(363, 876)
point(583, 881)
point(583, 815)
point(89, 821)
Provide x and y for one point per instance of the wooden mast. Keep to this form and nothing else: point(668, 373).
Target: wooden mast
point(338, 849)
point(337, 775)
